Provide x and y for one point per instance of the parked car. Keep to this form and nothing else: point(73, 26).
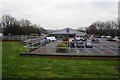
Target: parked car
point(28, 41)
point(43, 42)
point(84, 39)
point(97, 36)
point(51, 38)
point(47, 40)
point(1, 35)
point(103, 36)
point(116, 38)
point(71, 44)
point(77, 38)
point(109, 36)
point(79, 44)
point(88, 44)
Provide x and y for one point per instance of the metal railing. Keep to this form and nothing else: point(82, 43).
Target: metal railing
point(102, 48)
point(18, 37)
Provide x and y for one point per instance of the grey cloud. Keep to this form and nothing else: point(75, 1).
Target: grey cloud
point(60, 14)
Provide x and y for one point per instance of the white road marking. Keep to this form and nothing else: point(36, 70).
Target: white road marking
point(99, 50)
point(87, 50)
point(115, 49)
point(109, 50)
point(77, 50)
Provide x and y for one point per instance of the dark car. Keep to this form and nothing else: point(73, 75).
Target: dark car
point(43, 42)
point(47, 40)
point(79, 44)
point(71, 44)
point(88, 44)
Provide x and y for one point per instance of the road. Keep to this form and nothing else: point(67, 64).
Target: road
point(102, 48)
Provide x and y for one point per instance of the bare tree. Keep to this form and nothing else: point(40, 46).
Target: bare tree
point(12, 26)
point(104, 28)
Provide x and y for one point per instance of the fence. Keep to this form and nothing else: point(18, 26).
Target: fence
point(17, 37)
point(59, 47)
point(39, 45)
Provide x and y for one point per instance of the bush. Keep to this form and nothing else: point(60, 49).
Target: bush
point(61, 47)
point(96, 40)
point(34, 34)
point(65, 38)
point(110, 39)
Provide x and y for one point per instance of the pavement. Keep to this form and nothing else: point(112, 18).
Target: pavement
point(103, 48)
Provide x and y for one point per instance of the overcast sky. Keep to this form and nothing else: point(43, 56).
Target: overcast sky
point(58, 14)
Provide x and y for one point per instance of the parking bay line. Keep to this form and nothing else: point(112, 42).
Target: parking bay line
point(115, 49)
point(87, 50)
point(109, 50)
point(99, 50)
point(77, 50)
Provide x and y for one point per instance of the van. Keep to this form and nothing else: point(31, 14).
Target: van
point(51, 38)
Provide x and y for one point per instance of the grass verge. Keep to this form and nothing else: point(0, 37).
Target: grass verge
point(16, 66)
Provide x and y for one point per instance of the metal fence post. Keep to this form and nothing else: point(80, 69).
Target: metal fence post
point(69, 47)
point(27, 45)
point(40, 46)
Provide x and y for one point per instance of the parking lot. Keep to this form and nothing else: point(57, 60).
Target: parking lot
point(109, 48)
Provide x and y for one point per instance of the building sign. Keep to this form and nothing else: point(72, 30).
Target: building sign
point(67, 30)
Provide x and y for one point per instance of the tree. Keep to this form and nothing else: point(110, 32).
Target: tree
point(12, 26)
point(103, 28)
point(91, 29)
point(26, 26)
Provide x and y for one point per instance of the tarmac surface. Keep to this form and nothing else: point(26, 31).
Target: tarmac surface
point(108, 48)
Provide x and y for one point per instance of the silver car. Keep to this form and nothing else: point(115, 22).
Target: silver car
point(88, 44)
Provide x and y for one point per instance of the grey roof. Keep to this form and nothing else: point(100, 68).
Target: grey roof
point(71, 31)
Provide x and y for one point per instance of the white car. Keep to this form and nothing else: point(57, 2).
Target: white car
point(51, 38)
point(109, 37)
point(1, 35)
point(116, 39)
